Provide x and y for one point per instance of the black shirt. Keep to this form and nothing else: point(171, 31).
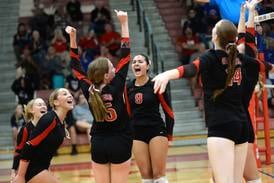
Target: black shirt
point(44, 140)
point(144, 105)
point(112, 94)
point(22, 138)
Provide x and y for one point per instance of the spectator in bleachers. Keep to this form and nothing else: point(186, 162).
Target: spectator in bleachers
point(195, 22)
point(82, 115)
point(89, 42)
point(73, 85)
point(23, 88)
point(17, 121)
point(86, 58)
point(38, 48)
point(187, 44)
point(99, 17)
point(21, 40)
point(39, 22)
point(73, 9)
point(30, 68)
point(111, 39)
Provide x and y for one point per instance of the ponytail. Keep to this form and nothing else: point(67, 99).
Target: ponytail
point(97, 105)
point(231, 60)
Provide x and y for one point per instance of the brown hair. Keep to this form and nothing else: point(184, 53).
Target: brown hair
point(227, 33)
point(53, 96)
point(27, 108)
point(96, 72)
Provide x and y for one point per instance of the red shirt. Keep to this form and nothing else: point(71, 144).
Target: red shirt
point(60, 46)
point(107, 37)
point(88, 42)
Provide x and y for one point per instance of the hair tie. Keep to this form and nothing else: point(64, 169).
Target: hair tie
point(229, 45)
point(92, 89)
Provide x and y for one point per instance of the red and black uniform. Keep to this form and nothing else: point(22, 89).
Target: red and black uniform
point(111, 140)
point(22, 137)
point(226, 114)
point(145, 114)
point(44, 141)
point(252, 74)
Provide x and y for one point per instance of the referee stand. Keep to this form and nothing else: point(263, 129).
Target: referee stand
point(258, 117)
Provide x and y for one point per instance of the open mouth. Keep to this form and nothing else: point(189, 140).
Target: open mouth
point(43, 111)
point(137, 69)
point(70, 101)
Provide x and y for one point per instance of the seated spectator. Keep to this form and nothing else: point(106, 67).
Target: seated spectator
point(89, 42)
point(17, 121)
point(104, 52)
point(187, 44)
point(111, 39)
point(73, 85)
point(59, 42)
point(38, 48)
point(73, 9)
point(52, 66)
point(23, 88)
point(99, 17)
point(86, 58)
point(82, 115)
point(29, 68)
point(21, 40)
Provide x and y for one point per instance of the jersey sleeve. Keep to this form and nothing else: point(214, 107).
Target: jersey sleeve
point(44, 127)
point(261, 65)
point(78, 71)
point(250, 46)
point(122, 66)
point(189, 70)
point(21, 140)
point(169, 115)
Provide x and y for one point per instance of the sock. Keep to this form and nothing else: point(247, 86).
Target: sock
point(255, 181)
point(161, 180)
point(147, 180)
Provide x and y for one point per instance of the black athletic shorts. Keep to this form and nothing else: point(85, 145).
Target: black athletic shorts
point(235, 131)
point(251, 135)
point(114, 148)
point(146, 133)
point(34, 169)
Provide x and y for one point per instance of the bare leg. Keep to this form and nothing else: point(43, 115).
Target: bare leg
point(101, 172)
point(158, 147)
point(239, 162)
point(44, 177)
point(142, 158)
point(119, 172)
point(251, 170)
point(221, 157)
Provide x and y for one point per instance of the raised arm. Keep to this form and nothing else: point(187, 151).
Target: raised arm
point(186, 71)
point(75, 64)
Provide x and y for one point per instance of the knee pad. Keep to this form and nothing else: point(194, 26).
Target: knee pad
point(161, 180)
point(255, 181)
point(147, 180)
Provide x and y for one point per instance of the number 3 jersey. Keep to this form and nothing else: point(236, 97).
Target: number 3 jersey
point(112, 94)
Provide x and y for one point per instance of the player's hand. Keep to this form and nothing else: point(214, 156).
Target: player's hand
point(251, 4)
point(18, 179)
point(160, 83)
point(122, 16)
point(70, 30)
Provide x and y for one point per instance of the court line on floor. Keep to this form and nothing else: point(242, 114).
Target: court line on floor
point(268, 174)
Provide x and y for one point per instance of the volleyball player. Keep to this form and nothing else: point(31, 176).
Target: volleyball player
point(44, 141)
point(33, 112)
point(151, 133)
point(222, 73)
point(103, 87)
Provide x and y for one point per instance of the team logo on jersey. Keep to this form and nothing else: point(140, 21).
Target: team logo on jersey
point(138, 98)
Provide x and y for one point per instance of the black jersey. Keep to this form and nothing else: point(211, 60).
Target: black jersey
point(144, 105)
point(44, 141)
point(22, 137)
point(112, 94)
point(229, 106)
